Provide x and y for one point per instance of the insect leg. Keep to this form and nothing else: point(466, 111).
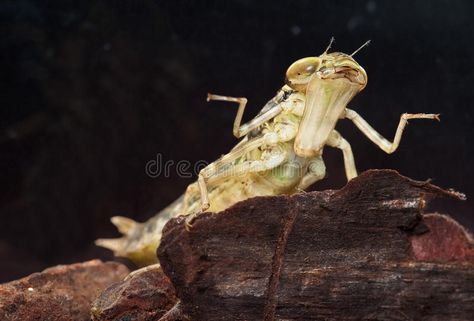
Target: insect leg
point(189, 196)
point(147, 268)
point(232, 171)
point(316, 172)
point(243, 130)
point(379, 140)
point(204, 194)
point(227, 162)
point(236, 170)
point(336, 140)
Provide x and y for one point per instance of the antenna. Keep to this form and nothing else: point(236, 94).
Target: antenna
point(329, 46)
point(365, 44)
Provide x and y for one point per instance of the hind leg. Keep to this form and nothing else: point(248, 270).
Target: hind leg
point(152, 267)
point(226, 167)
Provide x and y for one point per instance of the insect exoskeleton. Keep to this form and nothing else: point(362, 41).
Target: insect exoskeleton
point(280, 151)
point(329, 82)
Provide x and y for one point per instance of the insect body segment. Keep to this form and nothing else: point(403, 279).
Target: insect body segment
point(281, 151)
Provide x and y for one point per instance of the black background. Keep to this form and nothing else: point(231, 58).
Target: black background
point(93, 90)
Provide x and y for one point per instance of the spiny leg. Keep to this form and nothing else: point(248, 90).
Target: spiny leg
point(379, 140)
point(316, 172)
point(243, 130)
point(336, 140)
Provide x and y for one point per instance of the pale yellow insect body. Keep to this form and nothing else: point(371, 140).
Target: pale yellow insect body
point(280, 153)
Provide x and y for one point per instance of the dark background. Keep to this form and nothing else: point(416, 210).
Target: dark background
point(93, 90)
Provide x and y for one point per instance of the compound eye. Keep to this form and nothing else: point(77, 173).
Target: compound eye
point(300, 72)
point(305, 71)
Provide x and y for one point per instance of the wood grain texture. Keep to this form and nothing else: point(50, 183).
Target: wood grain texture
point(144, 295)
point(333, 255)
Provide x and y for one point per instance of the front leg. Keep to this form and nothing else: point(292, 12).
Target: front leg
point(336, 140)
point(239, 130)
point(379, 140)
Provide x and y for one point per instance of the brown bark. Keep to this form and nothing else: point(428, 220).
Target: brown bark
point(63, 292)
point(362, 252)
point(145, 295)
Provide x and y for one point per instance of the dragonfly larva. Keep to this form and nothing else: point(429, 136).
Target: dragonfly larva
point(280, 151)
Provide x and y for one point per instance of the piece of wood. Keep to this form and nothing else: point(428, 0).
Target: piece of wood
point(59, 293)
point(351, 254)
point(145, 295)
